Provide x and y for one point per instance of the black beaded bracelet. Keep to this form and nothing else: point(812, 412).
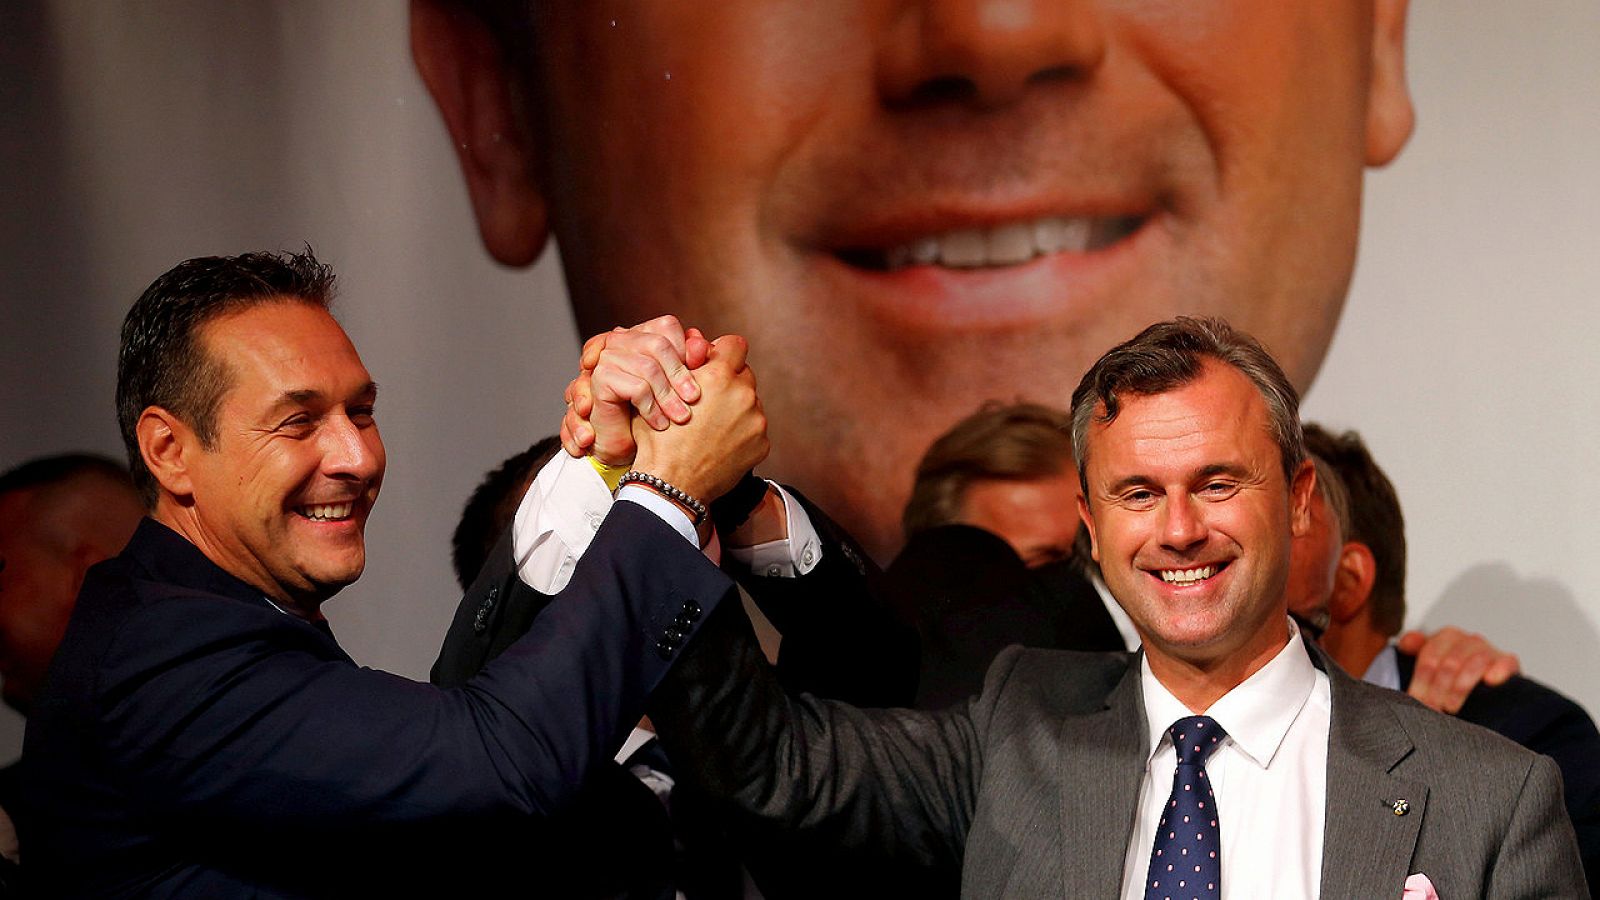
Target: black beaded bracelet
point(676, 495)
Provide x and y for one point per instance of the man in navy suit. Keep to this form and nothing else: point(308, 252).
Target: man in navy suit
point(201, 733)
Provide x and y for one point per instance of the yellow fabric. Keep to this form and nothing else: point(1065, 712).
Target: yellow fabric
point(610, 474)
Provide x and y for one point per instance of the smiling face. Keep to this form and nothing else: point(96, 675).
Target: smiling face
point(889, 199)
point(281, 500)
point(1191, 518)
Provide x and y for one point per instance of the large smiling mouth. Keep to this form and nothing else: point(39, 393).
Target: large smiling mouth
point(326, 512)
point(1185, 577)
point(1011, 244)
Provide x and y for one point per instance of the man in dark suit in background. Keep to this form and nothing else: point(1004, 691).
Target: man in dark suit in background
point(1350, 579)
point(201, 733)
point(59, 515)
point(989, 558)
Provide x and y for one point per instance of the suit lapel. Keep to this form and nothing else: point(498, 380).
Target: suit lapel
point(1367, 846)
point(1103, 761)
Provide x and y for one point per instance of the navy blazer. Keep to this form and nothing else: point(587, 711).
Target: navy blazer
point(193, 740)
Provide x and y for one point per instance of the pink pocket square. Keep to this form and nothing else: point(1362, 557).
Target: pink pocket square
point(1418, 887)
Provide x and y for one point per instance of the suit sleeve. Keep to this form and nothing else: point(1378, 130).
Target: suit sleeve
point(1539, 856)
point(253, 723)
point(842, 637)
point(898, 784)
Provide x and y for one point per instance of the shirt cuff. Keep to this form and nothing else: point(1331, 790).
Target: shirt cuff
point(556, 520)
point(789, 557)
point(667, 511)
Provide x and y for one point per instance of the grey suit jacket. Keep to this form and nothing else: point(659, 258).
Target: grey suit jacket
point(1030, 787)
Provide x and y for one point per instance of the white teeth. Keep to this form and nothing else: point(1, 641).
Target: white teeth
point(326, 512)
point(1187, 576)
point(964, 249)
point(1010, 244)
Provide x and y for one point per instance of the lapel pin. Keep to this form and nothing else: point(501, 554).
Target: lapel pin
point(1400, 807)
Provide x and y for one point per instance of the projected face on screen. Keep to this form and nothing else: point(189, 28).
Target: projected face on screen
point(913, 207)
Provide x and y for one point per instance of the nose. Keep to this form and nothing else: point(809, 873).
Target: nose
point(988, 52)
point(1183, 528)
point(350, 451)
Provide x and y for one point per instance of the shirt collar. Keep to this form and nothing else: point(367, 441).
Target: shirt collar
point(1256, 714)
point(1385, 670)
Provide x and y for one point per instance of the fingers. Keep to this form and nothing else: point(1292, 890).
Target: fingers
point(592, 349)
point(1451, 663)
point(1500, 671)
point(644, 371)
point(658, 352)
point(730, 350)
point(695, 348)
point(576, 434)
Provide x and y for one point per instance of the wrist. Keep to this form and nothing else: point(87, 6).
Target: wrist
point(768, 522)
point(610, 474)
point(690, 504)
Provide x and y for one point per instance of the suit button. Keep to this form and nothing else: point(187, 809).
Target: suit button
point(663, 651)
point(480, 622)
point(673, 636)
point(691, 609)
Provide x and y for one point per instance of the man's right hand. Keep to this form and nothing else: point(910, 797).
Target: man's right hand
point(726, 438)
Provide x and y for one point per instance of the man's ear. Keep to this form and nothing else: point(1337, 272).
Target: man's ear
point(167, 445)
point(1390, 116)
point(1352, 582)
point(1088, 524)
point(1305, 481)
point(463, 66)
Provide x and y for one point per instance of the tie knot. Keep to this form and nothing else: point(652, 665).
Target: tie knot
point(1194, 738)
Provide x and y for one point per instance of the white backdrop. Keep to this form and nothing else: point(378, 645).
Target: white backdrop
point(136, 135)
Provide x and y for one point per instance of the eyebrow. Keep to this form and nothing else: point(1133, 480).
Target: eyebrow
point(1232, 469)
point(304, 396)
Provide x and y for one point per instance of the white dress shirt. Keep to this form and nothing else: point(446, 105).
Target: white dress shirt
point(568, 500)
point(1269, 777)
point(1119, 616)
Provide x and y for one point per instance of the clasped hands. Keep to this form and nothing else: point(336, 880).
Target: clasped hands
point(664, 400)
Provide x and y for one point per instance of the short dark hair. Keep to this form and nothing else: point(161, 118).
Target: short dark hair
point(1171, 354)
point(161, 361)
point(1375, 519)
point(492, 506)
point(51, 470)
point(1019, 442)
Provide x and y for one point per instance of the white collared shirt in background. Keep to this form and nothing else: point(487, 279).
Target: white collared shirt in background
point(1269, 778)
point(568, 500)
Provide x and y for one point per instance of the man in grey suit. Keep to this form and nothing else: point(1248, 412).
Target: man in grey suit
point(1056, 778)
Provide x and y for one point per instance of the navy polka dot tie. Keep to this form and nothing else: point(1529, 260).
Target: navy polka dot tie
point(1184, 864)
